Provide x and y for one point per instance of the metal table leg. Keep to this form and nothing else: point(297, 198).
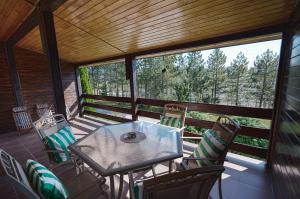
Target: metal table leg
point(112, 187)
point(120, 186)
point(131, 184)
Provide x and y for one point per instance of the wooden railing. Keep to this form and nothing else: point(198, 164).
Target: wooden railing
point(204, 108)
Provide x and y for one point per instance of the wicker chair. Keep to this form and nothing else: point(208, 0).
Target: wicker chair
point(82, 186)
point(189, 184)
point(176, 111)
point(45, 127)
point(43, 109)
point(22, 118)
point(224, 127)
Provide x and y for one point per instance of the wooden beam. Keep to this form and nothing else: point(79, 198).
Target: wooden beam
point(107, 98)
point(105, 116)
point(14, 76)
point(284, 60)
point(31, 22)
point(130, 64)
point(214, 108)
point(48, 36)
point(33, 19)
point(107, 107)
point(78, 90)
point(198, 43)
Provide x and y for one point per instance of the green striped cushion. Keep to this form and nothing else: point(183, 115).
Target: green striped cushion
point(171, 121)
point(60, 141)
point(211, 146)
point(44, 181)
point(138, 190)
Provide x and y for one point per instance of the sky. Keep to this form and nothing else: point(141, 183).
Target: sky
point(250, 50)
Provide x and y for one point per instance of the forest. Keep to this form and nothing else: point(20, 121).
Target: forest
point(188, 77)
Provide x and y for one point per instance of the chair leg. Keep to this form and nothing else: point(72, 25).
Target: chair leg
point(131, 185)
point(220, 187)
point(120, 186)
point(153, 170)
point(171, 166)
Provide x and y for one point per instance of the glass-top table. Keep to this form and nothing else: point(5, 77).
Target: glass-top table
point(106, 152)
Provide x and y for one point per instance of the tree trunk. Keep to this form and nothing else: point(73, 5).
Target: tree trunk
point(237, 90)
point(263, 88)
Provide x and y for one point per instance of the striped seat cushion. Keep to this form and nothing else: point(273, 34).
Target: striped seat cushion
point(171, 121)
point(46, 184)
point(211, 146)
point(60, 141)
point(138, 190)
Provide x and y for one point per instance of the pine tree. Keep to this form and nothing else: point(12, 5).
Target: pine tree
point(216, 73)
point(86, 84)
point(263, 78)
point(236, 78)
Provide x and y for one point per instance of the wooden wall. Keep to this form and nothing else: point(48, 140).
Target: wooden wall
point(286, 160)
point(36, 85)
point(69, 84)
point(6, 95)
point(35, 79)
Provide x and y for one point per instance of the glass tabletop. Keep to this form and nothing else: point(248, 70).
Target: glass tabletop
point(105, 152)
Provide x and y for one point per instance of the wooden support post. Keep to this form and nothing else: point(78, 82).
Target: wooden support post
point(131, 75)
point(48, 36)
point(14, 76)
point(284, 52)
point(79, 91)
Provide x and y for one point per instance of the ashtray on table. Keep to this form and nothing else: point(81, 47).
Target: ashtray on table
point(132, 137)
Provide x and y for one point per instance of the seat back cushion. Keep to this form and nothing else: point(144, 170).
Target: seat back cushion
point(138, 190)
point(171, 121)
point(46, 184)
point(211, 146)
point(60, 141)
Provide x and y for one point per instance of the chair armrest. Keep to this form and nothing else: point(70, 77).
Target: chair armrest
point(186, 159)
point(59, 117)
point(55, 151)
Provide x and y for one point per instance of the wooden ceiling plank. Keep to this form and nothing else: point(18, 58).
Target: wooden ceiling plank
point(153, 11)
point(267, 30)
point(174, 39)
point(69, 6)
point(145, 25)
point(105, 11)
point(178, 36)
point(194, 25)
point(183, 20)
point(86, 7)
point(159, 14)
point(113, 11)
point(138, 26)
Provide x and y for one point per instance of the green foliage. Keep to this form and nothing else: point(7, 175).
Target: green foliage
point(86, 85)
point(237, 78)
point(263, 78)
point(216, 73)
point(188, 77)
point(85, 81)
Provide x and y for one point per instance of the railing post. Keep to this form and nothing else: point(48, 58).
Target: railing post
point(48, 36)
point(14, 76)
point(78, 90)
point(130, 64)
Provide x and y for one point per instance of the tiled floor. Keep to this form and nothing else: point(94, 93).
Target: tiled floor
point(243, 178)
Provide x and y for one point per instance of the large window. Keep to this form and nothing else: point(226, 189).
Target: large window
point(105, 79)
point(243, 75)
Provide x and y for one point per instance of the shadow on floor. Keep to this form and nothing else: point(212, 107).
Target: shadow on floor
point(244, 177)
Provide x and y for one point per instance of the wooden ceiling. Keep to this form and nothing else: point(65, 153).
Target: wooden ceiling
point(12, 14)
point(93, 29)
